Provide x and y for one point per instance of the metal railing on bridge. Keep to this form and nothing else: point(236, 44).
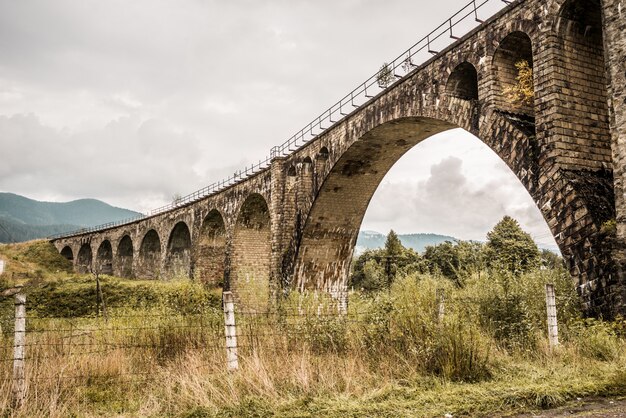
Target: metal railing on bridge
point(395, 70)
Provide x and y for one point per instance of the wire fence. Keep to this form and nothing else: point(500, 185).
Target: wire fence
point(463, 21)
point(37, 351)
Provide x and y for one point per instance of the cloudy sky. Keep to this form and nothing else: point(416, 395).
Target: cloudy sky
point(133, 102)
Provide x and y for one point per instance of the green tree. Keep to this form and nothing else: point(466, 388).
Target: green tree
point(455, 260)
point(394, 250)
point(377, 269)
point(510, 248)
point(551, 261)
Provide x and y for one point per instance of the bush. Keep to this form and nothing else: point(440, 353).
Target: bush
point(596, 339)
point(460, 353)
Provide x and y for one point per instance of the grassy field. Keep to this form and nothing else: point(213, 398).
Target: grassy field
point(160, 351)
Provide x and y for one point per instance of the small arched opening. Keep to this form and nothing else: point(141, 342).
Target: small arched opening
point(149, 265)
point(463, 82)
point(178, 261)
point(211, 250)
point(67, 253)
point(250, 262)
point(85, 258)
point(582, 82)
point(124, 259)
point(104, 258)
point(512, 70)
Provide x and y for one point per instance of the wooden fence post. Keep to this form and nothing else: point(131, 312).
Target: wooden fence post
point(231, 331)
point(19, 350)
point(553, 330)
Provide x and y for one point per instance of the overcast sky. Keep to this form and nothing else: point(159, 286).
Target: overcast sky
point(132, 102)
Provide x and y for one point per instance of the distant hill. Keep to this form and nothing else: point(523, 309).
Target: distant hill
point(369, 240)
point(23, 219)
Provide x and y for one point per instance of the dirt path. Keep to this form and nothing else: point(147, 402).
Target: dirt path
point(591, 408)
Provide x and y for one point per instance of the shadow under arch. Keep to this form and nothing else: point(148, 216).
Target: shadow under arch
point(68, 253)
point(178, 257)
point(104, 258)
point(149, 263)
point(84, 259)
point(251, 254)
point(514, 49)
point(210, 250)
point(463, 82)
point(124, 259)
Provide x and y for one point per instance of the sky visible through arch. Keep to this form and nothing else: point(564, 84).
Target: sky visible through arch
point(135, 102)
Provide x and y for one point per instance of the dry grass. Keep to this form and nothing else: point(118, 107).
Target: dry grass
point(178, 370)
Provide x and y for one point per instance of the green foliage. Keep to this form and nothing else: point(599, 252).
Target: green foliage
point(77, 297)
point(609, 228)
point(377, 269)
point(510, 248)
point(403, 323)
point(385, 76)
point(596, 339)
point(46, 255)
point(455, 261)
point(461, 353)
point(551, 260)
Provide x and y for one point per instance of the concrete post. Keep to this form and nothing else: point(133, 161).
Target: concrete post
point(19, 350)
point(231, 331)
point(553, 330)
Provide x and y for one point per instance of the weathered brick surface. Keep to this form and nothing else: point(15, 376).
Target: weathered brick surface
point(294, 225)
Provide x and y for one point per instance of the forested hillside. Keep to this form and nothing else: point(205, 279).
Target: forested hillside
point(23, 219)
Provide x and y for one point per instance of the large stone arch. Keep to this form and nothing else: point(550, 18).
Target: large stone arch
point(251, 254)
point(104, 258)
point(149, 262)
point(124, 257)
point(178, 256)
point(84, 259)
point(210, 250)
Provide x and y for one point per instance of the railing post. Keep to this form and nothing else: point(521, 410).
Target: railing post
point(553, 330)
point(19, 350)
point(231, 331)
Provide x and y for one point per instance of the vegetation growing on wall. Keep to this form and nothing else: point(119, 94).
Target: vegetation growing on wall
point(522, 93)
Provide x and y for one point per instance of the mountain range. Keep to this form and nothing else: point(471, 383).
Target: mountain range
point(23, 219)
point(369, 240)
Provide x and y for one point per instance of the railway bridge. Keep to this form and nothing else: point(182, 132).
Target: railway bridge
point(291, 221)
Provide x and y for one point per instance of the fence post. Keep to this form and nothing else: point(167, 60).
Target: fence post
point(553, 330)
point(19, 350)
point(441, 305)
point(231, 331)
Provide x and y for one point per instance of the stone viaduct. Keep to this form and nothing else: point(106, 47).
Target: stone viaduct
point(294, 224)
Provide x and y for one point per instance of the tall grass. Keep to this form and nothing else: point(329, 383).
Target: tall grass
point(391, 354)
